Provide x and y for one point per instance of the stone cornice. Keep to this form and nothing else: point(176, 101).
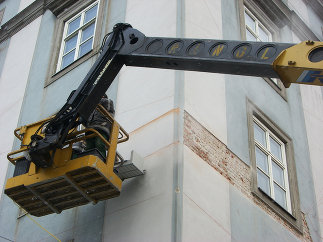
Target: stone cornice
point(282, 15)
point(276, 9)
point(58, 6)
point(301, 29)
point(29, 14)
point(317, 6)
point(22, 19)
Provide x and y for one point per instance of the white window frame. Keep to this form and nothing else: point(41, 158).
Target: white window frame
point(79, 33)
point(258, 23)
point(270, 156)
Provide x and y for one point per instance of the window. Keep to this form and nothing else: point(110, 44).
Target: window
point(271, 165)
point(257, 26)
point(78, 36)
point(274, 180)
point(256, 31)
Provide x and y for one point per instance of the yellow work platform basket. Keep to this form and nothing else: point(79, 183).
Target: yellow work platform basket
point(68, 182)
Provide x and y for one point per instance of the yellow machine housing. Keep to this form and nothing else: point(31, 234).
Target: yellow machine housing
point(294, 65)
point(68, 182)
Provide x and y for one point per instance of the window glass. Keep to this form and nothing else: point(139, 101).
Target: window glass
point(70, 44)
point(68, 59)
point(85, 47)
point(263, 182)
point(263, 34)
point(250, 22)
point(275, 148)
point(74, 25)
point(87, 32)
point(91, 14)
point(250, 36)
point(261, 159)
point(278, 174)
point(259, 135)
point(280, 196)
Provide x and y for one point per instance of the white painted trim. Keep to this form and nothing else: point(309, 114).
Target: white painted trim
point(258, 23)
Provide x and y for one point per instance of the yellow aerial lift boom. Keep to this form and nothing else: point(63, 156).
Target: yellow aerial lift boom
point(49, 179)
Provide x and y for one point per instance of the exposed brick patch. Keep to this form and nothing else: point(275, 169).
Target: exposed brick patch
point(216, 154)
point(306, 231)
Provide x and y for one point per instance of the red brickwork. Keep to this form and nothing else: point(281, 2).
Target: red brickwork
point(216, 154)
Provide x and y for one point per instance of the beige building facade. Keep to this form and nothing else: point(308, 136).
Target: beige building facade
point(227, 158)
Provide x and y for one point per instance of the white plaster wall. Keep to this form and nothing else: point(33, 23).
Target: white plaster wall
point(145, 108)
point(143, 212)
point(203, 19)
point(206, 201)
point(12, 87)
point(148, 139)
point(205, 92)
point(144, 94)
point(24, 4)
point(153, 18)
point(313, 112)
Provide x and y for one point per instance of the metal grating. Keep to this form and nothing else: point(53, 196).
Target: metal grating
point(128, 171)
point(74, 189)
point(130, 168)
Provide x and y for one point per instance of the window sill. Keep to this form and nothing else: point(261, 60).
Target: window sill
point(291, 219)
point(276, 204)
point(280, 89)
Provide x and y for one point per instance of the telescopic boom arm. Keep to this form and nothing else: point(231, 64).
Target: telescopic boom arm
point(302, 63)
